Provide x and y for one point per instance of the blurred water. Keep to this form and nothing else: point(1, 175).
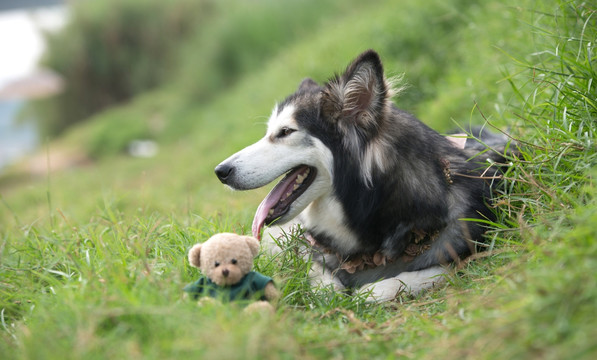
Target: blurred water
point(22, 24)
point(16, 139)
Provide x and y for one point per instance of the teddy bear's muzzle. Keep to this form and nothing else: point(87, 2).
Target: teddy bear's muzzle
point(227, 275)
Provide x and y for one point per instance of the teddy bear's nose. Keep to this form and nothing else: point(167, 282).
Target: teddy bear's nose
point(225, 272)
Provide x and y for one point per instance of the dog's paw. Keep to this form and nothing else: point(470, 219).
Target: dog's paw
point(320, 277)
point(408, 283)
point(382, 291)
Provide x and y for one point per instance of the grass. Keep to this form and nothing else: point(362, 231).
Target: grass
point(92, 259)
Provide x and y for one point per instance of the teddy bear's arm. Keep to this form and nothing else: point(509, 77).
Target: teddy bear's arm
point(270, 291)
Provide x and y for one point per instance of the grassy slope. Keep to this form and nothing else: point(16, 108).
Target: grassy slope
point(96, 270)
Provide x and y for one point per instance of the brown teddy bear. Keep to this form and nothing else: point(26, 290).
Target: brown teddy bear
point(226, 260)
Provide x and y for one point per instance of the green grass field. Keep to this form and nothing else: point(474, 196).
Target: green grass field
point(93, 258)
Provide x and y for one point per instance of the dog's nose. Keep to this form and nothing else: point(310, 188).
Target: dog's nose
point(223, 172)
point(225, 272)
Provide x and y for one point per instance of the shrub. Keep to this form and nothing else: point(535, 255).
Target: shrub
point(112, 50)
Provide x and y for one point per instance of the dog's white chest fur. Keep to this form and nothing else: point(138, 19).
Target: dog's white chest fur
point(325, 215)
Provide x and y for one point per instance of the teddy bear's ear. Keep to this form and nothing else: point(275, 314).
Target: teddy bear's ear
point(253, 245)
point(195, 255)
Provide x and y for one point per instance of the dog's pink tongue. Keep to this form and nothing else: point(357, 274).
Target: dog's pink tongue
point(266, 205)
point(261, 214)
point(274, 196)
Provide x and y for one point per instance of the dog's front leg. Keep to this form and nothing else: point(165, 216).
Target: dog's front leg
point(271, 238)
point(409, 283)
point(319, 275)
point(322, 277)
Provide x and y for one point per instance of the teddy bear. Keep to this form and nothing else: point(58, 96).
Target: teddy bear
point(226, 260)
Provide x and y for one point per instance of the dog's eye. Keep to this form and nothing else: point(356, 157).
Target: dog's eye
point(217, 263)
point(285, 131)
point(233, 261)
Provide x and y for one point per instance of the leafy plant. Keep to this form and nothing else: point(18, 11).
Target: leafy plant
point(112, 50)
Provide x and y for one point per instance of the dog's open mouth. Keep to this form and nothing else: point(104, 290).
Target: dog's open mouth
point(277, 202)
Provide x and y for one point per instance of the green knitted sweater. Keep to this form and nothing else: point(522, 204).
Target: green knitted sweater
point(250, 287)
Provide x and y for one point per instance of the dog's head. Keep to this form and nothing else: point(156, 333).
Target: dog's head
point(346, 113)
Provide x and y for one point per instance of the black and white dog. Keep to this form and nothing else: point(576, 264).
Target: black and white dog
point(380, 195)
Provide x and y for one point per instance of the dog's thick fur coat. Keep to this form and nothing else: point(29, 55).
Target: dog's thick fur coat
point(366, 180)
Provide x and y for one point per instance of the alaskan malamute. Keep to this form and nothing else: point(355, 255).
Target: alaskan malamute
point(380, 195)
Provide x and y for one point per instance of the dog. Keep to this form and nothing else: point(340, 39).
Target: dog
point(381, 197)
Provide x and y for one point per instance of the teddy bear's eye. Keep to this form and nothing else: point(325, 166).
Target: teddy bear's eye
point(233, 261)
point(217, 263)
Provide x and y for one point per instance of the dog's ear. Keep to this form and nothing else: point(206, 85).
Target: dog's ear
point(358, 96)
point(308, 84)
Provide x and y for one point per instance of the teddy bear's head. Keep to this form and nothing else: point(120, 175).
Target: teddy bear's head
point(225, 258)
